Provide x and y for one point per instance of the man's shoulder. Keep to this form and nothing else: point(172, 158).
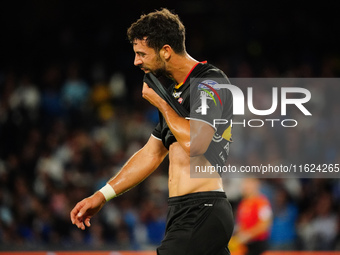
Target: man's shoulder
point(206, 70)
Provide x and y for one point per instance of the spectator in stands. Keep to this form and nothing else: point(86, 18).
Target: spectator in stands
point(283, 232)
point(318, 226)
point(253, 218)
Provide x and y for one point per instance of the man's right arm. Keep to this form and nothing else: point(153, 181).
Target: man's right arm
point(136, 169)
point(139, 166)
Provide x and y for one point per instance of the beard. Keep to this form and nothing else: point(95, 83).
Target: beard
point(160, 71)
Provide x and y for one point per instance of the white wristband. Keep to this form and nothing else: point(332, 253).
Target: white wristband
point(108, 192)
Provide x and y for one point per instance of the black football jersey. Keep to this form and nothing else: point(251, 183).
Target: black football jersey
point(203, 77)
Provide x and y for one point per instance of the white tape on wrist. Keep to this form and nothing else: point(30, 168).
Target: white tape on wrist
point(108, 192)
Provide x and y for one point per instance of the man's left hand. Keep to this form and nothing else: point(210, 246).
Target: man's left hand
point(150, 95)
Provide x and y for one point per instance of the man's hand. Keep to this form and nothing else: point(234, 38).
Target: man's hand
point(85, 209)
point(150, 95)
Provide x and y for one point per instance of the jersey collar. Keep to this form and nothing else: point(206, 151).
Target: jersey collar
point(180, 84)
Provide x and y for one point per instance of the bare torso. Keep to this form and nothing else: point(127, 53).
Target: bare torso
point(180, 180)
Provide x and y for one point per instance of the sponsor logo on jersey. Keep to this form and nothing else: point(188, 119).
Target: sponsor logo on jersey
point(176, 94)
point(207, 85)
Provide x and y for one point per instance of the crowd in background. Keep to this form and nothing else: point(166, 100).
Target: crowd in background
point(71, 114)
point(62, 143)
point(63, 139)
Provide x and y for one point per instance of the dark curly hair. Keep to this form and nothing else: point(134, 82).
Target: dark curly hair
point(159, 28)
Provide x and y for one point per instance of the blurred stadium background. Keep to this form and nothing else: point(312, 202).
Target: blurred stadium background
point(71, 113)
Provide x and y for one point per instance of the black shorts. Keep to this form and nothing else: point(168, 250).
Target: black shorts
point(198, 224)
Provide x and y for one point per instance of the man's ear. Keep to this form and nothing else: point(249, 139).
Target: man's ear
point(166, 52)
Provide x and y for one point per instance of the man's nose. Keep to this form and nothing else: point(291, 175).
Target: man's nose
point(137, 61)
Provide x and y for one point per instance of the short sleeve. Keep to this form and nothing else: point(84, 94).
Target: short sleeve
point(208, 102)
point(156, 133)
